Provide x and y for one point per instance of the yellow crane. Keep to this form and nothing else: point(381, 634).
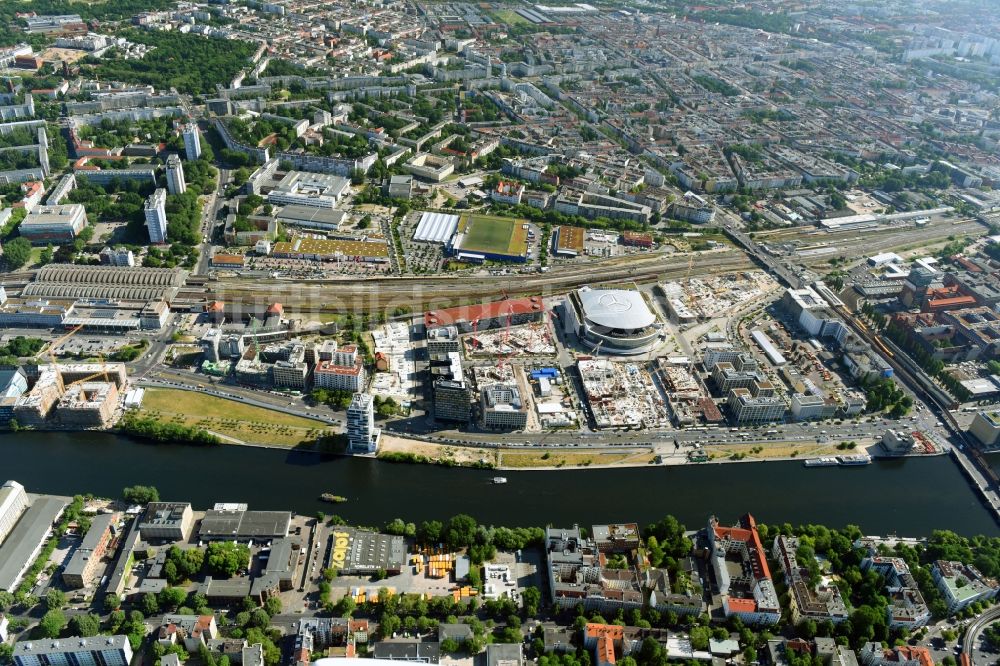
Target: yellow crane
point(102, 372)
point(50, 353)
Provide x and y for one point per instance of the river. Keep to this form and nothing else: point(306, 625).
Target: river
point(909, 497)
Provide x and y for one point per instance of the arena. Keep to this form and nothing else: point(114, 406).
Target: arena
point(619, 320)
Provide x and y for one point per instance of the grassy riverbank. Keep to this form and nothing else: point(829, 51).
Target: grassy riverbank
point(232, 421)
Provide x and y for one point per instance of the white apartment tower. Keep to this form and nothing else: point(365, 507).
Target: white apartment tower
point(175, 175)
point(156, 216)
point(192, 141)
point(362, 435)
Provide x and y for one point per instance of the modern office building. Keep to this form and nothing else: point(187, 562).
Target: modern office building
point(74, 651)
point(293, 371)
point(362, 435)
point(442, 340)
point(156, 216)
point(13, 503)
point(985, 427)
point(54, 224)
point(502, 407)
point(302, 188)
point(192, 141)
point(175, 175)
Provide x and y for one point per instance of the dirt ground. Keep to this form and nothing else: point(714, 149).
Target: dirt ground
point(63, 55)
point(462, 455)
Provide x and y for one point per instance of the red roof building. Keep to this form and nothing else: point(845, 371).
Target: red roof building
point(487, 316)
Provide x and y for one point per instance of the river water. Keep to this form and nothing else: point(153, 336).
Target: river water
point(909, 497)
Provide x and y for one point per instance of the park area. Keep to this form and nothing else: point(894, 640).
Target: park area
point(494, 237)
point(233, 422)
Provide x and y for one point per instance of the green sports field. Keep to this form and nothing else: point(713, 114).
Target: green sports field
point(494, 235)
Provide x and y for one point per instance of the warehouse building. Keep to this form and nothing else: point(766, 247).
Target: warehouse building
point(436, 228)
point(233, 522)
point(356, 552)
point(13, 503)
point(26, 540)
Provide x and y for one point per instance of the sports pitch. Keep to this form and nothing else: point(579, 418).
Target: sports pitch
point(500, 236)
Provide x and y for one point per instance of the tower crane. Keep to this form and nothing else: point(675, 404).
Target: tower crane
point(49, 353)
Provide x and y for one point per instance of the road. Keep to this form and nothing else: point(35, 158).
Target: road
point(972, 634)
point(249, 397)
point(209, 215)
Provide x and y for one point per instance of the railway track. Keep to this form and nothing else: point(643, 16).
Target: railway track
point(422, 293)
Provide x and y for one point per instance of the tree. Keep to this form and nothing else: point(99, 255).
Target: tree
point(51, 624)
point(17, 252)
point(112, 602)
point(226, 558)
point(429, 532)
point(700, 637)
point(273, 606)
point(182, 564)
point(172, 597)
point(389, 625)
point(6, 600)
point(259, 618)
point(140, 494)
point(85, 625)
point(531, 597)
point(149, 604)
point(55, 599)
point(461, 531)
point(449, 645)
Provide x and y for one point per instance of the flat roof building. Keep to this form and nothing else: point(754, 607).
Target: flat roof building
point(13, 503)
point(356, 552)
point(74, 651)
point(223, 524)
point(302, 188)
point(170, 521)
point(54, 224)
point(25, 541)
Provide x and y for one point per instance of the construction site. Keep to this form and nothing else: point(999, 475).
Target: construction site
point(695, 298)
point(686, 396)
point(66, 395)
point(554, 398)
point(534, 339)
point(621, 395)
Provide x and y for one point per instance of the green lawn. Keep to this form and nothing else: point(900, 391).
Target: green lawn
point(236, 420)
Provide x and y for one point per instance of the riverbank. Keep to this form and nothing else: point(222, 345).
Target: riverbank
point(232, 421)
